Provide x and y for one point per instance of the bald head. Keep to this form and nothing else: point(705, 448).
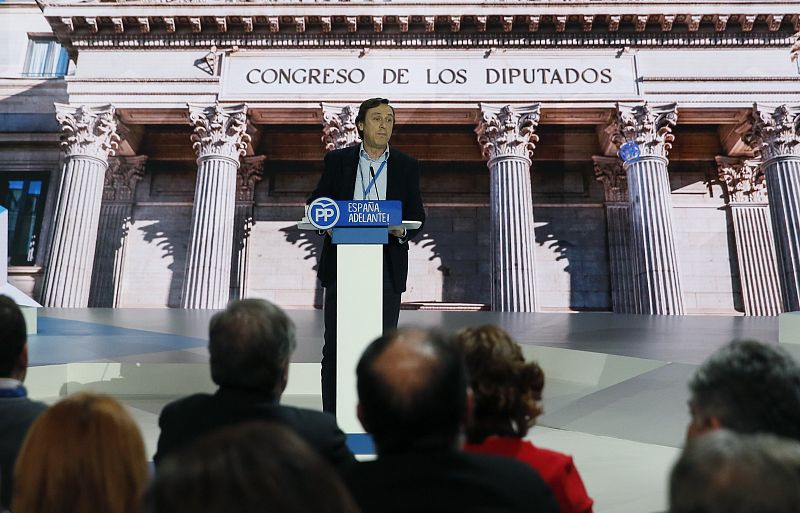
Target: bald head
point(412, 389)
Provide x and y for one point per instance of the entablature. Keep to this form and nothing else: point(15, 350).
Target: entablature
point(71, 18)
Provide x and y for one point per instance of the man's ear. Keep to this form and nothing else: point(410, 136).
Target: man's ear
point(361, 417)
point(360, 126)
point(22, 363)
point(470, 409)
point(284, 378)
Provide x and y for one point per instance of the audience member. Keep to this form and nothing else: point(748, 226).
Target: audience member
point(250, 345)
point(17, 411)
point(414, 400)
point(250, 467)
point(84, 454)
point(747, 387)
point(508, 395)
point(725, 472)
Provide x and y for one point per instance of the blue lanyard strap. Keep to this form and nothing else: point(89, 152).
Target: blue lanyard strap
point(372, 181)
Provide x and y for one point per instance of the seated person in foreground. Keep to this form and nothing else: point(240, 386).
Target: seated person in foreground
point(17, 411)
point(508, 394)
point(414, 400)
point(250, 467)
point(84, 454)
point(726, 472)
point(250, 345)
point(746, 387)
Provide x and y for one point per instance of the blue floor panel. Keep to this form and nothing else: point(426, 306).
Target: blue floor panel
point(64, 341)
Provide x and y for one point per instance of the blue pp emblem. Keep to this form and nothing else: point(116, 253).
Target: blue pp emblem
point(629, 152)
point(323, 213)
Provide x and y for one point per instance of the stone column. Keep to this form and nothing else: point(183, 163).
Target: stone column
point(610, 172)
point(122, 175)
point(249, 173)
point(507, 139)
point(755, 246)
point(774, 134)
point(88, 139)
point(649, 194)
point(220, 138)
point(339, 126)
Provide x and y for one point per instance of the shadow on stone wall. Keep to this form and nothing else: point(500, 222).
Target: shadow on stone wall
point(587, 259)
point(311, 243)
point(164, 236)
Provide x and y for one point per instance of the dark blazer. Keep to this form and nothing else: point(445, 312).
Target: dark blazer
point(16, 416)
point(187, 419)
point(338, 182)
point(456, 482)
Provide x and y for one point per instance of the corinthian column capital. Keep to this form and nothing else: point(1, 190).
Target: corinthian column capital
point(649, 127)
point(339, 126)
point(743, 178)
point(247, 176)
point(89, 132)
point(219, 132)
point(610, 172)
point(121, 177)
point(774, 131)
point(507, 132)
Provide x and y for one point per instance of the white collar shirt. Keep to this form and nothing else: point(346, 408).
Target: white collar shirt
point(364, 176)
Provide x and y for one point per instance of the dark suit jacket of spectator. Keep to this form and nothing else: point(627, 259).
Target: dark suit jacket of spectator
point(187, 419)
point(448, 482)
point(338, 182)
point(16, 416)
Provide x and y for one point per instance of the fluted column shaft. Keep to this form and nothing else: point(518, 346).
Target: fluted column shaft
point(609, 171)
point(220, 139)
point(648, 130)
point(512, 236)
point(783, 180)
point(659, 285)
point(752, 231)
point(112, 235)
point(775, 136)
point(507, 138)
point(89, 137)
point(247, 176)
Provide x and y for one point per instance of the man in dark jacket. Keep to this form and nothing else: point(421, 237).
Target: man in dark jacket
point(368, 171)
point(17, 412)
point(250, 345)
point(414, 400)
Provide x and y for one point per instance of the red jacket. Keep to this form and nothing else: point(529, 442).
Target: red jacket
point(556, 469)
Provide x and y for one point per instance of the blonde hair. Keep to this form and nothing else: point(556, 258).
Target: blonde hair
point(84, 454)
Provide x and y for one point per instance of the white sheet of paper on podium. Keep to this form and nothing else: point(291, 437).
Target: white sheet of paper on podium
point(28, 306)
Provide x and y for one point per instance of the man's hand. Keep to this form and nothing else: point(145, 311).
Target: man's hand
point(400, 234)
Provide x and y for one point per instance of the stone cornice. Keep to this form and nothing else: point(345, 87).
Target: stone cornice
point(192, 16)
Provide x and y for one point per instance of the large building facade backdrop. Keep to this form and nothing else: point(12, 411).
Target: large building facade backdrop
point(158, 153)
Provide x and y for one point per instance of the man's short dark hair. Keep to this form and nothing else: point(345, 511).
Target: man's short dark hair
point(427, 419)
point(726, 472)
point(13, 335)
point(750, 387)
point(250, 344)
point(365, 106)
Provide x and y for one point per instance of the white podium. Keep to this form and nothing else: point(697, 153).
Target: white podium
point(28, 306)
point(359, 306)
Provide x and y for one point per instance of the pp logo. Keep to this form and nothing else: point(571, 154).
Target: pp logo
point(323, 213)
point(630, 152)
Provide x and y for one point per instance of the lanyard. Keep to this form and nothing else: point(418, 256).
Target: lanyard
point(371, 183)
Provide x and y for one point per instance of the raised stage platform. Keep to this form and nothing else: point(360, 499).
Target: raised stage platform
point(615, 393)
